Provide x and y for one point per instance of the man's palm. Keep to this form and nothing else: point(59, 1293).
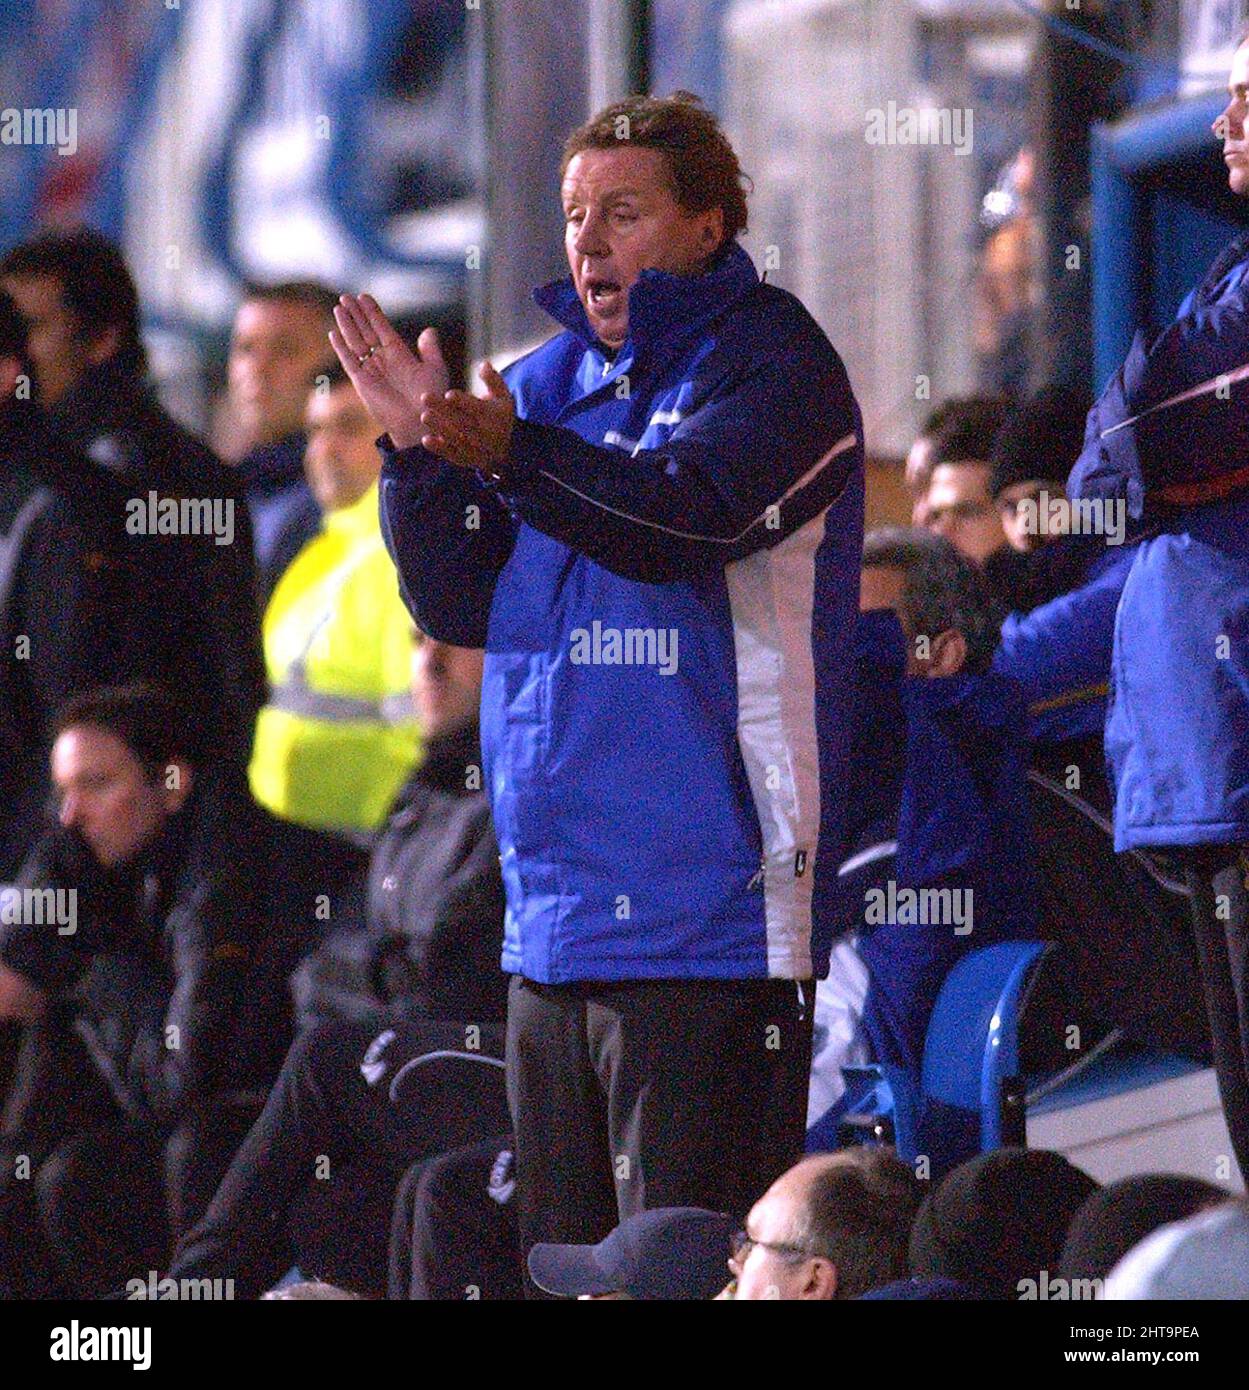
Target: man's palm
point(392, 378)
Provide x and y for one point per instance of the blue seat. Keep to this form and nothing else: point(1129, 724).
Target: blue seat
point(969, 1089)
point(971, 1051)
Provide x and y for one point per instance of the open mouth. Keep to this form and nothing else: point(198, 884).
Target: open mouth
point(604, 295)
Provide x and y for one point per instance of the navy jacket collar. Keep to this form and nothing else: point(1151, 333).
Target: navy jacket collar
point(662, 307)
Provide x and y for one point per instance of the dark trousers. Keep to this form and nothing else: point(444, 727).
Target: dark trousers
point(453, 1235)
point(90, 1198)
point(627, 1097)
point(354, 1106)
point(1221, 924)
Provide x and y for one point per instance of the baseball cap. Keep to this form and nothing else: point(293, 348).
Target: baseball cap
point(667, 1253)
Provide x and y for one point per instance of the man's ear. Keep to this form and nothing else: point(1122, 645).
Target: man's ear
point(949, 653)
point(712, 232)
point(821, 1281)
point(176, 778)
point(104, 345)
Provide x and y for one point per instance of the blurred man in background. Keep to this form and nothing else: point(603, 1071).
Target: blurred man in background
point(54, 638)
point(337, 738)
point(944, 420)
point(277, 347)
point(152, 995)
point(958, 504)
point(176, 552)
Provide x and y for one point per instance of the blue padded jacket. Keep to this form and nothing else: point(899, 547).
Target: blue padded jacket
point(665, 581)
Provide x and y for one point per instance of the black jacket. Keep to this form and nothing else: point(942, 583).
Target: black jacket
point(171, 969)
point(182, 610)
point(433, 929)
point(55, 638)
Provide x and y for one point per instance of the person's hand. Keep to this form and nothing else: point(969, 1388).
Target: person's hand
point(388, 376)
point(470, 431)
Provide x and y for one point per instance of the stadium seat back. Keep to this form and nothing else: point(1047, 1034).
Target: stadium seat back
point(971, 1052)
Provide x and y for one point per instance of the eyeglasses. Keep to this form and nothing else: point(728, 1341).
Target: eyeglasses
point(743, 1243)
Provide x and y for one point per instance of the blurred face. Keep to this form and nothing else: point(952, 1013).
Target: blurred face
point(622, 217)
point(960, 509)
point(58, 351)
point(770, 1264)
point(10, 370)
point(446, 686)
point(1008, 501)
point(106, 796)
point(276, 348)
point(1230, 126)
point(341, 459)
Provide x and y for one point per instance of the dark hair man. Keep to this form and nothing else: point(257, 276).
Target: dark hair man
point(175, 553)
point(928, 630)
point(1030, 459)
point(833, 1227)
point(139, 947)
point(951, 419)
point(53, 640)
point(337, 737)
point(1168, 439)
point(652, 525)
point(958, 503)
point(411, 1000)
point(277, 346)
point(997, 1221)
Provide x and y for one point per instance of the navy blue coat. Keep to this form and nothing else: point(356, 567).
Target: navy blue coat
point(1173, 428)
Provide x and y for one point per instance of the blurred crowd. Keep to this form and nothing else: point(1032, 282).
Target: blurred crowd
point(251, 1008)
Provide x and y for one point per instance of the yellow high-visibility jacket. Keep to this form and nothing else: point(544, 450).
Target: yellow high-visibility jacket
point(338, 737)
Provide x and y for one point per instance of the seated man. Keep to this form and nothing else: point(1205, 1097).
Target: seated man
point(997, 1223)
point(139, 946)
point(337, 738)
point(835, 1226)
point(957, 502)
point(960, 875)
point(1028, 468)
point(423, 944)
point(664, 1253)
point(945, 421)
point(408, 1059)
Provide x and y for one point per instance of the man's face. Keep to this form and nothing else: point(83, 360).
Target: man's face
point(622, 217)
point(1230, 125)
point(446, 686)
point(276, 348)
point(1008, 506)
point(58, 350)
point(960, 509)
point(771, 1265)
point(341, 459)
point(105, 795)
